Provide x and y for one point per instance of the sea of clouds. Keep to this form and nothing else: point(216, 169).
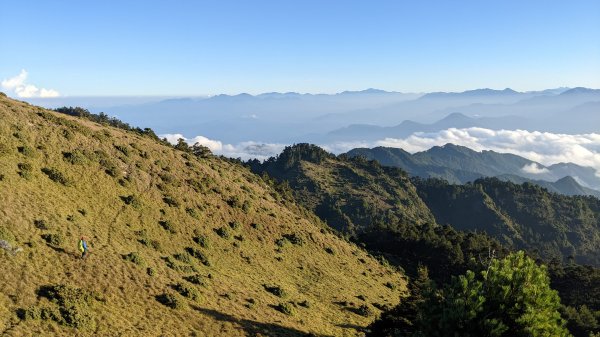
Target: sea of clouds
point(543, 147)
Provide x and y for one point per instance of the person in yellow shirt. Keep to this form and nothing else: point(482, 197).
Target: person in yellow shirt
point(83, 247)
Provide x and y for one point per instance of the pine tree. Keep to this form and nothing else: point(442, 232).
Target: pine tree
point(512, 297)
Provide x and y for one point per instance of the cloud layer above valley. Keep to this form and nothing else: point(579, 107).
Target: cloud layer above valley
point(543, 147)
point(19, 86)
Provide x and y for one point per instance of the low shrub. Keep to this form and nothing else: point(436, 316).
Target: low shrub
point(198, 255)
point(57, 176)
point(25, 170)
point(275, 290)
point(187, 291)
point(235, 225)
point(26, 151)
point(364, 310)
point(193, 212)
point(132, 200)
point(40, 224)
point(53, 239)
point(183, 257)
point(168, 226)
point(246, 206)
point(202, 241)
point(294, 239)
point(169, 300)
point(223, 232)
point(171, 201)
point(195, 279)
point(123, 149)
point(73, 306)
point(76, 157)
point(286, 308)
point(304, 304)
point(133, 257)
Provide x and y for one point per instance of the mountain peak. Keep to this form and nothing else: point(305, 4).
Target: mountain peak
point(366, 91)
point(581, 90)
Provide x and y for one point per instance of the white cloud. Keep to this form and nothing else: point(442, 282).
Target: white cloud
point(245, 150)
point(534, 168)
point(18, 84)
point(542, 147)
point(14, 82)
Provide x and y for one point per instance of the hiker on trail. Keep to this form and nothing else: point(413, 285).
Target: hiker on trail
point(83, 247)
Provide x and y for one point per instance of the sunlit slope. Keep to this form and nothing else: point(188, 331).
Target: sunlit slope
point(180, 245)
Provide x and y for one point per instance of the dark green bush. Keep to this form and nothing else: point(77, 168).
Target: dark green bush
point(132, 200)
point(234, 202)
point(73, 303)
point(193, 212)
point(286, 308)
point(364, 310)
point(187, 291)
point(168, 226)
point(183, 257)
point(235, 225)
point(202, 241)
point(171, 201)
point(76, 157)
point(246, 206)
point(304, 304)
point(195, 279)
point(198, 255)
point(169, 300)
point(223, 232)
point(275, 290)
point(26, 151)
point(40, 224)
point(133, 257)
point(123, 149)
point(56, 176)
point(390, 285)
point(53, 239)
point(25, 170)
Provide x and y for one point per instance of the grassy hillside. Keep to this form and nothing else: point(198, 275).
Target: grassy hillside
point(180, 245)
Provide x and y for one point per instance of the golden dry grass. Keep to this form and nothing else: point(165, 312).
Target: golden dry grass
point(204, 191)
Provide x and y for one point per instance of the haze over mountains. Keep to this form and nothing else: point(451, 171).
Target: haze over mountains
point(548, 126)
point(289, 117)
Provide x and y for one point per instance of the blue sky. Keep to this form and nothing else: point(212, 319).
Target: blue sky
point(211, 47)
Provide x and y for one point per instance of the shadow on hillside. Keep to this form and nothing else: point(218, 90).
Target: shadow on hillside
point(253, 328)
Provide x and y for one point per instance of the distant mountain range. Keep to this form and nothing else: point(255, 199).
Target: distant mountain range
point(459, 164)
point(408, 127)
point(294, 117)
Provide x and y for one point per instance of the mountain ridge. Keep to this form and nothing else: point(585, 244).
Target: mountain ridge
point(459, 164)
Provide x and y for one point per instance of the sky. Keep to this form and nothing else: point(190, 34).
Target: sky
point(108, 48)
